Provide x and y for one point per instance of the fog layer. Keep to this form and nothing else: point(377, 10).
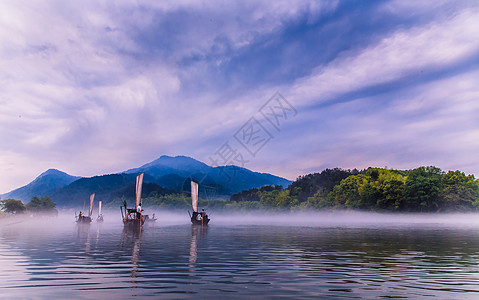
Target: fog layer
point(345, 219)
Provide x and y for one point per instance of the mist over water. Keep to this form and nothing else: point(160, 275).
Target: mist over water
point(322, 254)
point(320, 219)
point(349, 219)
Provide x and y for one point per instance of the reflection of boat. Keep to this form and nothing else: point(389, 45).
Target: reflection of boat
point(100, 215)
point(132, 217)
point(193, 245)
point(197, 233)
point(197, 218)
point(83, 235)
point(81, 218)
point(132, 236)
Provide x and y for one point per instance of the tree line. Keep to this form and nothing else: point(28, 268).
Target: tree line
point(424, 189)
point(36, 205)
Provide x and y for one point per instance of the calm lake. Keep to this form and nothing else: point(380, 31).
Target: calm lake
point(342, 255)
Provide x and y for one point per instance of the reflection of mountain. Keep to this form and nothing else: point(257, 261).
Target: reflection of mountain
point(162, 176)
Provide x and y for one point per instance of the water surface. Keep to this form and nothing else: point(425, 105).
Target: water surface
point(305, 257)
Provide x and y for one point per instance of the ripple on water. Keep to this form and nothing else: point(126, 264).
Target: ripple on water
point(272, 261)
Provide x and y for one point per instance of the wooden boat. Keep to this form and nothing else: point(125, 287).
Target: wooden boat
point(149, 220)
point(198, 218)
point(100, 215)
point(132, 217)
point(81, 218)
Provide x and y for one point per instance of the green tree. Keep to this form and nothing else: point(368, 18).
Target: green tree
point(374, 188)
point(390, 184)
point(322, 199)
point(423, 189)
point(277, 198)
point(460, 192)
point(43, 204)
point(285, 200)
point(308, 185)
point(370, 194)
point(268, 198)
point(13, 206)
point(348, 192)
point(247, 195)
point(392, 195)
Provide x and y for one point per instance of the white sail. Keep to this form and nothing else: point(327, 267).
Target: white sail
point(139, 183)
point(194, 196)
point(99, 208)
point(92, 197)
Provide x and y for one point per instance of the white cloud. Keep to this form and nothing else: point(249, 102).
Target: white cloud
point(430, 124)
point(82, 82)
point(439, 43)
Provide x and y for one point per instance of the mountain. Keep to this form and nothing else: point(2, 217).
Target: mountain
point(239, 179)
point(163, 176)
point(44, 185)
point(107, 188)
point(165, 165)
point(233, 179)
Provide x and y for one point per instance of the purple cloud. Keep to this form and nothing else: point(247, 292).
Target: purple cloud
point(94, 88)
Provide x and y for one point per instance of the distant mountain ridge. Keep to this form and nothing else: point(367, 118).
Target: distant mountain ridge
point(164, 175)
point(182, 164)
point(45, 184)
point(234, 179)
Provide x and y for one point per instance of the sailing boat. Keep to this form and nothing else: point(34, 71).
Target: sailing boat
point(197, 218)
point(82, 219)
point(133, 216)
point(100, 215)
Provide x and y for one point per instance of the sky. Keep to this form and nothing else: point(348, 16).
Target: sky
point(283, 87)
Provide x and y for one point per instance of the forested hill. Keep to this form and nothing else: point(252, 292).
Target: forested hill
point(424, 189)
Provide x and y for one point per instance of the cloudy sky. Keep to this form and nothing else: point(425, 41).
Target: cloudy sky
point(96, 87)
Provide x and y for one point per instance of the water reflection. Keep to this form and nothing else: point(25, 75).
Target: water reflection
point(83, 232)
point(99, 226)
point(196, 232)
point(239, 261)
point(132, 236)
point(193, 246)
